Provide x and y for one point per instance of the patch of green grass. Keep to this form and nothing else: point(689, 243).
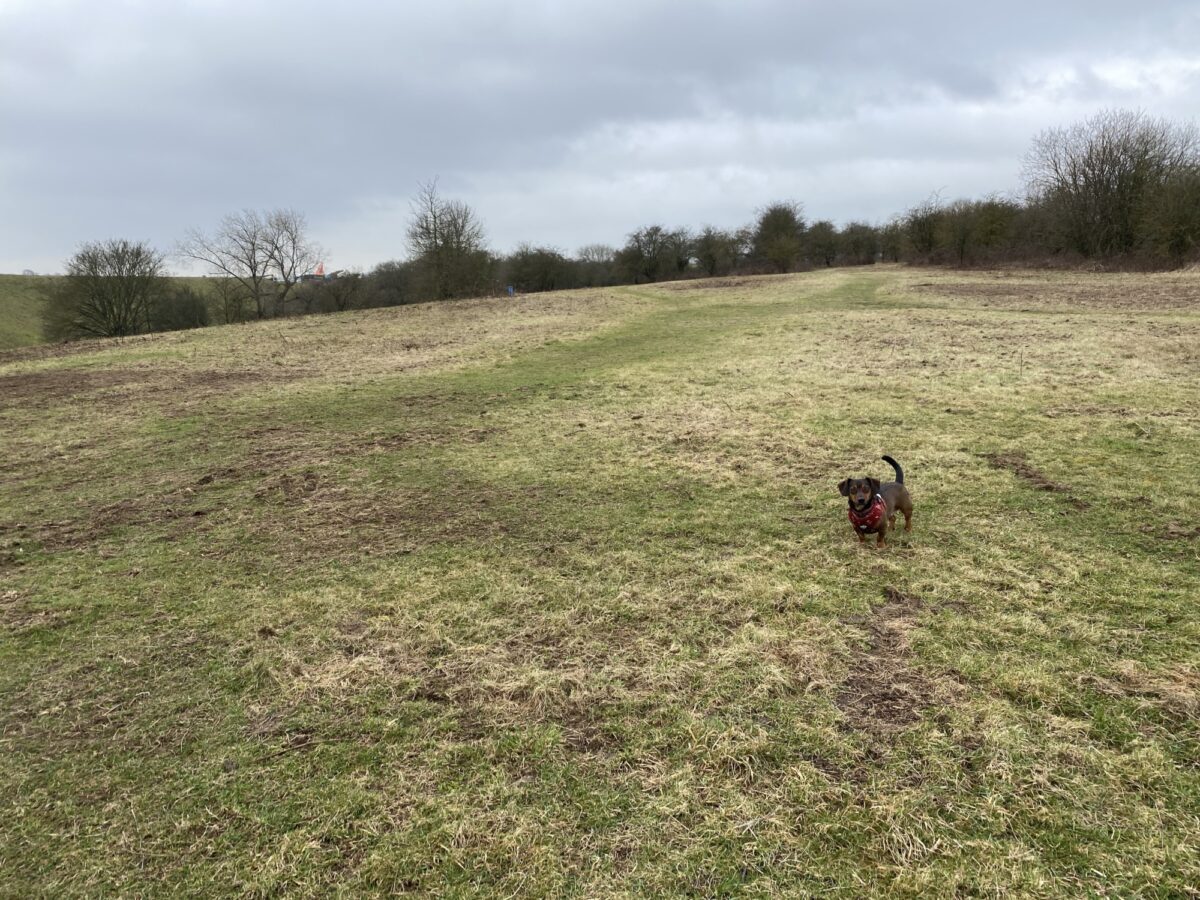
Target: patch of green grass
point(557, 597)
point(20, 310)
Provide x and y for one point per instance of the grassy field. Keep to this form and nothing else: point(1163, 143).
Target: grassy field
point(20, 310)
point(556, 596)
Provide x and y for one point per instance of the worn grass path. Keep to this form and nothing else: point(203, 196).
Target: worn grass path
point(556, 597)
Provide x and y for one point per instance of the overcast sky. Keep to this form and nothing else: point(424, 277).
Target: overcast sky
point(562, 123)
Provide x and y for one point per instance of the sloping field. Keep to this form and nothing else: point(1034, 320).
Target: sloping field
point(556, 596)
point(20, 310)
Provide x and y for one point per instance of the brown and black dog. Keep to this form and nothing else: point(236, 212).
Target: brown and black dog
point(873, 505)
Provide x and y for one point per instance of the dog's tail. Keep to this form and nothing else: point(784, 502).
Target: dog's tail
point(895, 465)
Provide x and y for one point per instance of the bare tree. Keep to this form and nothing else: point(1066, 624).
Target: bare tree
point(678, 252)
point(1097, 177)
point(110, 289)
point(596, 264)
point(1173, 222)
point(264, 253)
point(230, 298)
point(601, 254)
point(716, 250)
point(649, 253)
point(239, 250)
point(336, 293)
point(922, 224)
point(290, 253)
point(446, 240)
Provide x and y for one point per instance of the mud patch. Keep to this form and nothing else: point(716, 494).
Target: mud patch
point(1083, 291)
point(1179, 532)
point(58, 351)
point(288, 487)
point(18, 616)
point(709, 284)
point(1088, 411)
point(427, 437)
point(1017, 463)
point(882, 693)
point(1172, 532)
point(18, 539)
point(121, 385)
point(63, 384)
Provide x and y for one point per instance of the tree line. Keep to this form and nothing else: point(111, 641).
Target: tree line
point(1121, 187)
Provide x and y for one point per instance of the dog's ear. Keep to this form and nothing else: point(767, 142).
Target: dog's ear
point(874, 482)
point(844, 488)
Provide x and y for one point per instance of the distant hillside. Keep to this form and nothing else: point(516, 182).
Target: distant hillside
point(20, 310)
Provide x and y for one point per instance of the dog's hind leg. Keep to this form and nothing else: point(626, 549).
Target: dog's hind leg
point(905, 506)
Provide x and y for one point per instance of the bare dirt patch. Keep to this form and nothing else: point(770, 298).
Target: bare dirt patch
point(287, 487)
point(1173, 531)
point(1082, 291)
point(120, 385)
point(17, 538)
point(282, 480)
point(882, 693)
point(62, 384)
point(1017, 463)
point(1179, 532)
point(427, 437)
point(18, 616)
point(57, 351)
point(305, 514)
point(709, 284)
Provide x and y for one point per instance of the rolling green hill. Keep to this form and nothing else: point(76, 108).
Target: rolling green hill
point(20, 310)
point(555, 596)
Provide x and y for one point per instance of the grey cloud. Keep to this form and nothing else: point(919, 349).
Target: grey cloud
point(562, 123)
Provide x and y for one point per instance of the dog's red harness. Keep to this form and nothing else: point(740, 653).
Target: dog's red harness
point(870, 517)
